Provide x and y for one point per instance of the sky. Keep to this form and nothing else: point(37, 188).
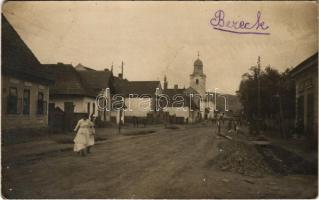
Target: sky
point(154, 39)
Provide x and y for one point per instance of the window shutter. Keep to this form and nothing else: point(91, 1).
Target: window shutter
point(45, 110)
point(19, 106)
point(37, 106)
point(9, 104)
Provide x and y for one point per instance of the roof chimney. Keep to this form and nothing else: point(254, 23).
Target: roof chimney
point(165, 83)
point(175, 86)
point(120, 75)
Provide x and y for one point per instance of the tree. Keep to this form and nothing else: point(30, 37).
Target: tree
point(277, 94)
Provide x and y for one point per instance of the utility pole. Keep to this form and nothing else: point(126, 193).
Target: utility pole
point(122, 69)
point(258, 96)
point(215, 95)
point(258, 88)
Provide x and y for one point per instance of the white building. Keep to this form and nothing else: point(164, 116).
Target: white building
point(69, 92)
point(100, 82)
point(139, 98)
point(180, 106)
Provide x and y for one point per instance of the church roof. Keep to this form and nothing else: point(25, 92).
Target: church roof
point(198, 62)
point(198, 68)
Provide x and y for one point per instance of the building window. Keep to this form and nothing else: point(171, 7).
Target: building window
point(40, 105)
point(310, 114)
point(93, 108)
point(300, 115)
point(26, 102)
point(197, 81)
point(13, 101)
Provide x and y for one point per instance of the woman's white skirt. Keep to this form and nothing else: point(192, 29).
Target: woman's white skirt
point(91, 136)
point(91, 140)
point(81, 140)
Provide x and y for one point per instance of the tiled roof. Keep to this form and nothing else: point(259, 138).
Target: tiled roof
point(172, 92)
point(144, 87)
point(82, 67)
point(181, 93)
point(67, 81)
point(96, 80)
point(191, 90)
point(312, 61)
point(125, 87)
point(17, 59)
point(120, 85)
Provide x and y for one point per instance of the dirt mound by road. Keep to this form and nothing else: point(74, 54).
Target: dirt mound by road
point(241, 158)
point(139, 132)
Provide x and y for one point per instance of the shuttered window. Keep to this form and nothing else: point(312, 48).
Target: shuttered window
point(12, 103)
point(40, 104)
point(26, 102)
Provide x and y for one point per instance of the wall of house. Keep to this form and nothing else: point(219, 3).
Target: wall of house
point(80, 103)
point(184, 112)
point(306, 85)
point(115, 114)
point(138, 107)
point(105, 109)
point(20, 120)
point(210, 105)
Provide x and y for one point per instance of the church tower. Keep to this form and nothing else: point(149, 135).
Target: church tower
point(198, 78)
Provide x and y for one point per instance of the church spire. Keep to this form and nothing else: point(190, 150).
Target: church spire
point(198, 66)
point(165, 82)
point(112, 67)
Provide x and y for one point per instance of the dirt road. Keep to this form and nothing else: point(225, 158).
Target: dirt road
point(164, 164)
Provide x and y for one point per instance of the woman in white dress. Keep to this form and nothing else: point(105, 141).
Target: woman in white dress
point(81, 139)
point(91, 133)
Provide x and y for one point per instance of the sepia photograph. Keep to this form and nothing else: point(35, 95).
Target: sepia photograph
point(159, 100)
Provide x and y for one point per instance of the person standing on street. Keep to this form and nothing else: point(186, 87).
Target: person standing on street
point(236, 127)
point(229, 124)
point(218, 126)
point(92, 133)
point(81, 139)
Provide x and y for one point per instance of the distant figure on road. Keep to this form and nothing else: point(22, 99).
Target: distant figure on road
point(222, 118)
point(236, 127)
point(92, 133)
point(81, 139)
point(135, 121)
point(120, 126)
point(218, 126)
point(144, 122)
point(230, 124)
point(213, 121)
